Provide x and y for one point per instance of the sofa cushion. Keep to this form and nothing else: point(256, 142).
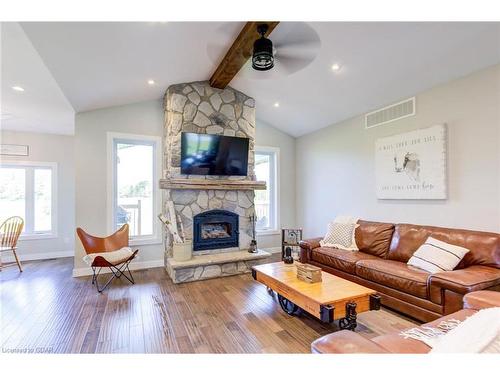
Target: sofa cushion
point(482, 299)
point(344, 260)
point(374, 237)
point(395, 275)
point(484, 247)
point(343, 342)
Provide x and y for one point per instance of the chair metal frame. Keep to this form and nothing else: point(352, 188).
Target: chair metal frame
point(117, 240)
point(116, 270)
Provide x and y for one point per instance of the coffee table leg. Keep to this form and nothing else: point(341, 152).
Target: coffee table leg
point(326, 313)
point(374, 302)
point(288, 306)
point(349, 322)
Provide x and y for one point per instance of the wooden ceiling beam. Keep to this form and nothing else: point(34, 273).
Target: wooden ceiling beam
point(238, 54)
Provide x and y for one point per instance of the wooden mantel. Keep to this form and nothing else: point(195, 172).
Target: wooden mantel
point(201, 184)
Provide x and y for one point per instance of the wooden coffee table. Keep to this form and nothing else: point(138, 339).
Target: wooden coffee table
point(331, 299)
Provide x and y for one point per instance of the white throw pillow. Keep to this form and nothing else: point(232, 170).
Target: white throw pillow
point(340, 236)
point(437, 256)
point(347, 219)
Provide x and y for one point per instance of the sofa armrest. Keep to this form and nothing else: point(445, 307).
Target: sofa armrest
point(306, 246)
point(482, 299)
point(467, 280)
point(345, 342)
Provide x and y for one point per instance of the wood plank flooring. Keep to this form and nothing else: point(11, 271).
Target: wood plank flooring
point(45, 309)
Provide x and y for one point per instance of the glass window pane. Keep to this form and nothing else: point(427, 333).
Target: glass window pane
point(43, 200)
point(134, 182)
point(262, 197)
point(12, 193)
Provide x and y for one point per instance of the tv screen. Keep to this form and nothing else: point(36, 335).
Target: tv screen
point(216, 155)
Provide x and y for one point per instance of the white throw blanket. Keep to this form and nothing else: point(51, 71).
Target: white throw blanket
point(479, 333)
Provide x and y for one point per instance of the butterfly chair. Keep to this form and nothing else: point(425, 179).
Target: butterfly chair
point(109, 252)
point(10, 230)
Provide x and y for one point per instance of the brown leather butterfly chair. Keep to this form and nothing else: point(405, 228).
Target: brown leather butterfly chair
point(111, 254)
point(10, 230)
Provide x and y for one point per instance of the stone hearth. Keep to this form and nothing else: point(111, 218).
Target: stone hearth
point(198, 108)
point(214, 265)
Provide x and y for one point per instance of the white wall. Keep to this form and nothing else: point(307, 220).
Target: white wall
point(58, 149)
point(91, 129)
point(146, 118)
point(335, 166)
point(266, 135)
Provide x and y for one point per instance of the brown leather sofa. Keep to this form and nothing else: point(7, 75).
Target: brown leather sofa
point(351, 342)
point(380, 264)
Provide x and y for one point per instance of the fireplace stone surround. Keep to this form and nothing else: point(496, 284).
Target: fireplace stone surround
point(199, 108)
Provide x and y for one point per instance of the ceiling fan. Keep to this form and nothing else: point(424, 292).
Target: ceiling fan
point(295, 46)
point(291, 47)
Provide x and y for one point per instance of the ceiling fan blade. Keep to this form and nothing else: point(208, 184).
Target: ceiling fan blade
point(292, 64)
point(295, 35)
point(298, 44)
point(296, 52)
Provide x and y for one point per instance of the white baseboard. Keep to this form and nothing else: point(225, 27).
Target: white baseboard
point(9, 257)
point(87, 271)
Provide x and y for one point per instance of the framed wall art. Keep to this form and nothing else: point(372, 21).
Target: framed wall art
point(412, 165)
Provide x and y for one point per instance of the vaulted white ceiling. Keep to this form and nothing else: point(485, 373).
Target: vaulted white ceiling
point(42, 107)
point(104, 64)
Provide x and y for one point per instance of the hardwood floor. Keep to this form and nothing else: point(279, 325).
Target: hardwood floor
point(44, 309)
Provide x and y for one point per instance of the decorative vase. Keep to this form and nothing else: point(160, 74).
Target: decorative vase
point(182, 251)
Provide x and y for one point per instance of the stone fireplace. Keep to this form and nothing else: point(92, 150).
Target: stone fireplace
point(201, 201)
point(215, 229)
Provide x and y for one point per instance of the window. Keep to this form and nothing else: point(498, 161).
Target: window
point(266, 201)
point(27, 189)
point(134, 192)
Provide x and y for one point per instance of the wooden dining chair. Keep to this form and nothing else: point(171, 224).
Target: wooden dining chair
point(108, 252)
point(10, 230)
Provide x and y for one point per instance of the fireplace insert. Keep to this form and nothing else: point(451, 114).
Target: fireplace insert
point(215, 229)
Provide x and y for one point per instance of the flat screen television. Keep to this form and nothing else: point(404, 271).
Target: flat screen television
point(214, 155)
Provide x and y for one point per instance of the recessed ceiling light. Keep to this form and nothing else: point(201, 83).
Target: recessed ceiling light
point(276, 104)
point(336, 67)
point(151, 82)
point(17, 88)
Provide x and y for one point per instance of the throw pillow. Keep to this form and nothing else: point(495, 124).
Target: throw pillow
point(340, 235)
point(437, 256)
point(346, 219)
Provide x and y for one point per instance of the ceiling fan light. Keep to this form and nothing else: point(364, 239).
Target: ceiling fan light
point(262, 58)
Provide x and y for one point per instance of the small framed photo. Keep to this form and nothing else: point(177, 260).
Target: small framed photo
point(292, 236)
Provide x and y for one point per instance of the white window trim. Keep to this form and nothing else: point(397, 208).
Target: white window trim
point(276, 229)
point(156, 238)
point(40, 164)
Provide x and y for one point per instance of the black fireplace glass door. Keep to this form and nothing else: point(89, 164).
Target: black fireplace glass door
point(215, 229)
